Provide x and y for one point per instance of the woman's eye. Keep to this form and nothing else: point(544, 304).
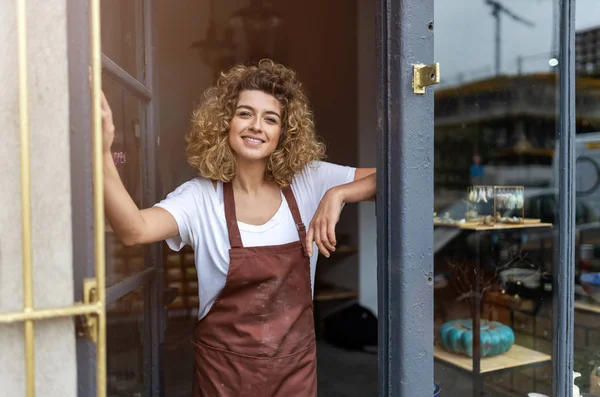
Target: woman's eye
point(271, 120)
point(243, 114)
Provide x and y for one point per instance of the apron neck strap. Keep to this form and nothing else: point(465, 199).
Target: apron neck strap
point(235, 238)
point(291, 200)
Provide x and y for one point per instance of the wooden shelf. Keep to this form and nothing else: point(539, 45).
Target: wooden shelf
point(517, 356)
point(529, 223)
point(180, 274)
point(587, 306)
point(330, 294)
point(504, 226)
point(344, 250)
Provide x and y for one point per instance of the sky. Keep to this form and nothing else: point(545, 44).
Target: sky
point(464, 35)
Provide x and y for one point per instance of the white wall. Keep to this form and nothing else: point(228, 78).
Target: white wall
point(367, 138)
point(51, 200)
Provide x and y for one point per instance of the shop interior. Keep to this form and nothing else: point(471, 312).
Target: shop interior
point(495, 225)
point(195, 40)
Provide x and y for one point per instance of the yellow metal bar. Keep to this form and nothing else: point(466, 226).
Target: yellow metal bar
point(25, 195)
point(98, 181)
point(77, 310)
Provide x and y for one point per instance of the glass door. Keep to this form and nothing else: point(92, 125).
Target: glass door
point(507, 212)
point(134, 308)
point(490, 154)
point(495, 197)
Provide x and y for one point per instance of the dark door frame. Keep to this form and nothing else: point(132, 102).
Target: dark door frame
point(78, 51)
point(404, 200)
point(563, 292)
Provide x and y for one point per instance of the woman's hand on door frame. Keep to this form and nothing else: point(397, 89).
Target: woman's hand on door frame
point(108, 125)
point(322, 227)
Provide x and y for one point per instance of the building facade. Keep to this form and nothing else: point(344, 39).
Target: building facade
point(83, 315)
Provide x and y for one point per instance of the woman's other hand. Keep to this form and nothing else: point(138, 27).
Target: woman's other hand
point(108, 125)
point(322, 227)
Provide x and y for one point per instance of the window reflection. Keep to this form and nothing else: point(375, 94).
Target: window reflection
point(587, 273)
point(500, 129)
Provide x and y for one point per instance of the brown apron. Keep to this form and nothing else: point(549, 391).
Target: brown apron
point(258, 338)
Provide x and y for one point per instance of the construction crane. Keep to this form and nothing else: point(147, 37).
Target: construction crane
point(497, 9)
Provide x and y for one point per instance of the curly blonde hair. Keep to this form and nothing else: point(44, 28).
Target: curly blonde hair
point(208, 149)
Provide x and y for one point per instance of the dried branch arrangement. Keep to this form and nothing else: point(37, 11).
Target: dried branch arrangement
point(464, 272)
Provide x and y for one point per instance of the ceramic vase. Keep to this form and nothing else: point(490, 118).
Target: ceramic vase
point(496, 338)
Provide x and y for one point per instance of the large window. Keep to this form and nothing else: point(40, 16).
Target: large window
point(497, 201)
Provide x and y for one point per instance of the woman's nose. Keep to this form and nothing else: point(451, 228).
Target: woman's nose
point(256, 125)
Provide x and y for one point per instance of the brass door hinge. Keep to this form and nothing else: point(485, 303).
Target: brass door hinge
point(87, 324)
point(424, 76)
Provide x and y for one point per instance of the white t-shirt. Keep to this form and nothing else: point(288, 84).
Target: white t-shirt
point(199, 212)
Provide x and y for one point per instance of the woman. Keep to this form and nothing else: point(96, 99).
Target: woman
point(260, 182)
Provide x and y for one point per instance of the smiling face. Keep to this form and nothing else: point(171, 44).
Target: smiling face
point(256, 126)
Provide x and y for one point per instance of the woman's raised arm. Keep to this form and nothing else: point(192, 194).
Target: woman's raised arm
point(132, 225)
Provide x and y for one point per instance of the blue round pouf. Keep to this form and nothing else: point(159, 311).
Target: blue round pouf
point(496, 338)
